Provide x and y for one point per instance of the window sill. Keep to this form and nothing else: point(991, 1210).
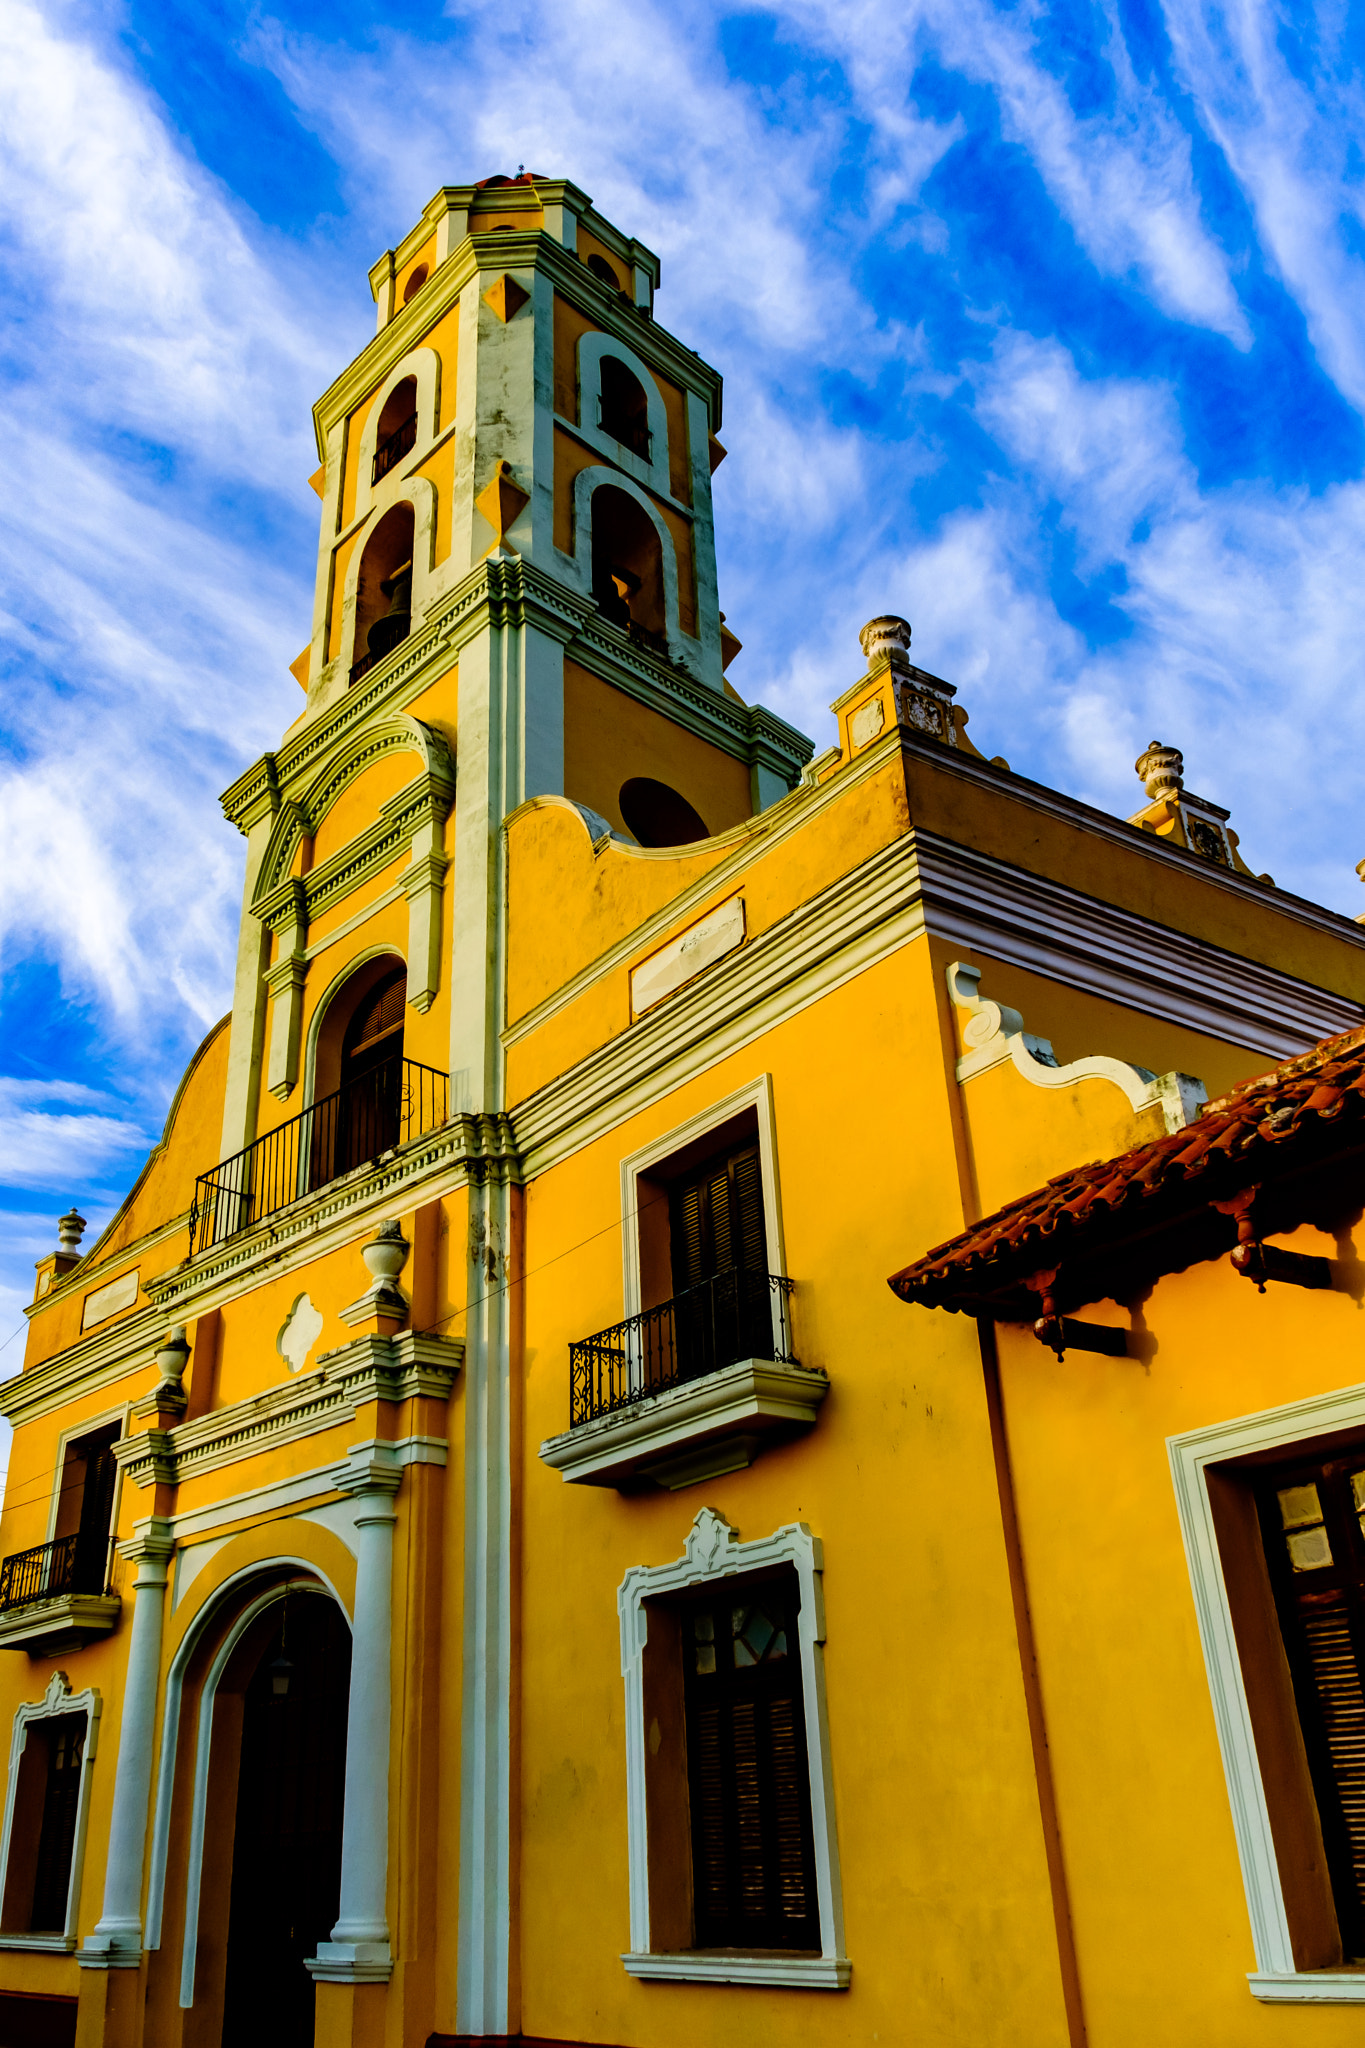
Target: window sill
point(698, 1431)
point(46, 1628)
point(41, 1944)
point(715, 1966)
point(1308, 1987)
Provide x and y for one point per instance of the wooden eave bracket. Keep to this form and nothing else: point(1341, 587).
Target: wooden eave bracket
point(1063, 1333)
point(1261, 1262)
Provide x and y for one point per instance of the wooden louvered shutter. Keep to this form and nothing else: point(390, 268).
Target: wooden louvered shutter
point(717, 1219)
point(65, 1738)
point(753, 1866)
point(1312, 1524)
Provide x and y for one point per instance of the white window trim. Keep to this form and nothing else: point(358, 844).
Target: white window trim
point(73, 1435)
point(756, 1095)
point(713, 1551)
point(58, 1699)
point(1275, 1979)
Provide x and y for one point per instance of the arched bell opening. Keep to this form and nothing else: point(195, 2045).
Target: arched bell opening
point(383, 603)
point(264, 1875)
point(658, 815)
point(358, 1069)
point(623, 408)
point(627, 566)
point(396, 433)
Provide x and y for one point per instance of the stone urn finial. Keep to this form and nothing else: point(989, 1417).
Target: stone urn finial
point(171, 1359)
point(384, 1302)
point(69, 1229)
point(1162, 771)
point(886, 639)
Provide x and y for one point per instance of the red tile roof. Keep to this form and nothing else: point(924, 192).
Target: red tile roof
point(1109, 1228)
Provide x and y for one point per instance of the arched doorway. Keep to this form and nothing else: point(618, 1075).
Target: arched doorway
point(372, 1074)
point(286, 1846)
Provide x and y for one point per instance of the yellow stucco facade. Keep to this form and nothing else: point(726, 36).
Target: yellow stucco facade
point(379, 1470)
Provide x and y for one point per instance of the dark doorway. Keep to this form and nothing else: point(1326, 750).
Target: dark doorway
point(286, 1855)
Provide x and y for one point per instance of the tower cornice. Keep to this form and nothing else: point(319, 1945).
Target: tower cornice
point(514, 249)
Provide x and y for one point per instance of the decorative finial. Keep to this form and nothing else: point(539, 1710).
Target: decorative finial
point(886, 639)
point(171, 1359)
point(384, 1301)
point(1162, 770)
point(69, 1228)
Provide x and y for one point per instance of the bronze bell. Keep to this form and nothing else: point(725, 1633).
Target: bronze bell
point(393, 625)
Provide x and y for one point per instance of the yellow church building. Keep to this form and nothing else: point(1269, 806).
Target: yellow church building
point(486, 1555)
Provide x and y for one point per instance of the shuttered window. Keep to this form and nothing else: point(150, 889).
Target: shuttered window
point(1313, 1526)
point(753, 1865)
point(717, 1219)
point(722, 1306)
point(64, 1736)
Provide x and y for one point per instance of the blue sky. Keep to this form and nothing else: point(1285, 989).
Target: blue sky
point(1044, 326)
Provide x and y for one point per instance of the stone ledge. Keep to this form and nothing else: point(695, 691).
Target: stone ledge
point(47, 1628)
point(718, 1966)
point(693, 1432)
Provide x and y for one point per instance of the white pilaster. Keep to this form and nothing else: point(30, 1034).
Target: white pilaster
point(481, 2005)
point(117, 1940)
point(359, 1950)
point(242, 1092)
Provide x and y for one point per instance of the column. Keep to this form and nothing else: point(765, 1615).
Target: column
point(358, 1952)
point(117, 1940)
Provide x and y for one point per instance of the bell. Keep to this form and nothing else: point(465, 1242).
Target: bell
point(393, 626)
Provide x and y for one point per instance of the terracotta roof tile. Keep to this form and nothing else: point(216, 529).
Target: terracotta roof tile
point(1305, 1108)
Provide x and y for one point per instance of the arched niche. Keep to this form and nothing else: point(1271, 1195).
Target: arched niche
point(659, 815)
point(651, 468)
point(419, 494)
point(383, 597)
point(422, 368)
point(593, 552)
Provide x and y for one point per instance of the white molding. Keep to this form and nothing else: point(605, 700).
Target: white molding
point(1275, 1977)
point(757, 1095)
point(57, 1699)
point(712, 1552)
point(1317, 1987)
point(994, 1034)
point(797, 1972)
point(696, 1431)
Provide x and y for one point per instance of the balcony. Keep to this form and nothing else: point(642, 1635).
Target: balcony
point(686, 1391)
point(53, 1598)
point(394, 1102)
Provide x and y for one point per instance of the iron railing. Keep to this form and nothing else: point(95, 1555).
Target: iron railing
point(391, 452)
point(49, 1570)
point(737, 1314)
point(395, 1101)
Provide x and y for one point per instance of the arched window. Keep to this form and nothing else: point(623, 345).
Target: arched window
point(358, 1079)
point(600, 267)
point(383, 605)
point(623, 409)
point(396, 433)
point(628, 567)
point(657, 815)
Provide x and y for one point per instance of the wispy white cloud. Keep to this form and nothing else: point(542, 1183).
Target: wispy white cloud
point(43, 1147)
point(1292, 143)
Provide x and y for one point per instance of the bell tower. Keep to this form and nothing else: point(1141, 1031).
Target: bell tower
point(517, 553)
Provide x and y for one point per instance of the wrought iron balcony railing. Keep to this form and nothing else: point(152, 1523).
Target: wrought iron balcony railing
point(51, 1569)
point(391, 452)
point(395, 1101)
point(737, 1314)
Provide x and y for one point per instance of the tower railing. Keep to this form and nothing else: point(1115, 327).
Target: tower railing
point(391, 452)
point(395, 1101)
